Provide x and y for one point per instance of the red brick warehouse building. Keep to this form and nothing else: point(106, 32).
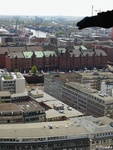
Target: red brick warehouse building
point(69, 58)
point(79, 57)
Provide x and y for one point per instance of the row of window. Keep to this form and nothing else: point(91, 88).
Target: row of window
point(104, 134)
point(33, 139)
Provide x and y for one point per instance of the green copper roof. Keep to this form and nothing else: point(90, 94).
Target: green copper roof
point(61, 50)
point(78, 47)
point(28, 54)
point(39, 54)
point(48, 53)
point(83, 48)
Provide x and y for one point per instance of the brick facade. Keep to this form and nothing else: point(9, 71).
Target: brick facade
point(65, 61)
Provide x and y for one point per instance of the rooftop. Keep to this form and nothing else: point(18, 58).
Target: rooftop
point(51, 101)
point(29, 106)
point(59, 128)
point(8, 107)
point(39, 54)
point(11, 75)
point(3, 50)
point(90, 74)
point(61, 50)
point(5, 93)
point(65, 77)
point(105, 99)
point(93, 125)
point(15, 54)
point(48, 53)
point(34, 48)
point(16, 49)
point(28, 54)
point(76, 127)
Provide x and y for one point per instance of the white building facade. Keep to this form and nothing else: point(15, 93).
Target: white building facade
point(13, 82)
point(107, 87)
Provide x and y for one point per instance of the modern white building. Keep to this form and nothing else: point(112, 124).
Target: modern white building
point(72, 89)
point(12, 82)
point(82, 133)
point(87, 100)
point(107, 87)
point(5, 96)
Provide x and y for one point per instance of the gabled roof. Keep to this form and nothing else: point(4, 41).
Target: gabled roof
point(100, 51)
point(92, 125)
point(48, 53)
point(34, 48)
point(16, 49)
point(61, 50)
point(77, 47)
point(76, 53)
point(94, 128)
point(49, 47)
point(83, 48)
point(80, 47)
point(89, 52)
point(39, 54)
point(27, 54)
point(3, 50)
point(16, 54)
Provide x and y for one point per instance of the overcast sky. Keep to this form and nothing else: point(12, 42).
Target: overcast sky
point(54, 7)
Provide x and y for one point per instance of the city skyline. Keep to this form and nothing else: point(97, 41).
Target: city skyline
point(56, 8)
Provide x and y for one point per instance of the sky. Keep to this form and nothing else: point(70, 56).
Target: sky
point(54, 7)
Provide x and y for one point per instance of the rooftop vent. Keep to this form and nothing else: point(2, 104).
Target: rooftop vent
point(50, 125)
point(102, 94)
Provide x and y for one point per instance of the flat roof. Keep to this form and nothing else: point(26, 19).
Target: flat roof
point(34, 130)
point(68, 113)
point(5, 93)
point(50, 101)
point(45, 97)
point(8, 107)
point(52, 113)
point(65, 77)
point(34, 92)
point(91, 74)
point(90, 91)
point(25, 93)
point(29, 106)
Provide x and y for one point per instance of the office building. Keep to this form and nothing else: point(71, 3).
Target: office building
point(13, 82)
point(82, 133)
point(80, 96)
point(53, 83)
point(87, 100)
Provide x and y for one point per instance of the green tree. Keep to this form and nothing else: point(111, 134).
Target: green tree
point(34, 69)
